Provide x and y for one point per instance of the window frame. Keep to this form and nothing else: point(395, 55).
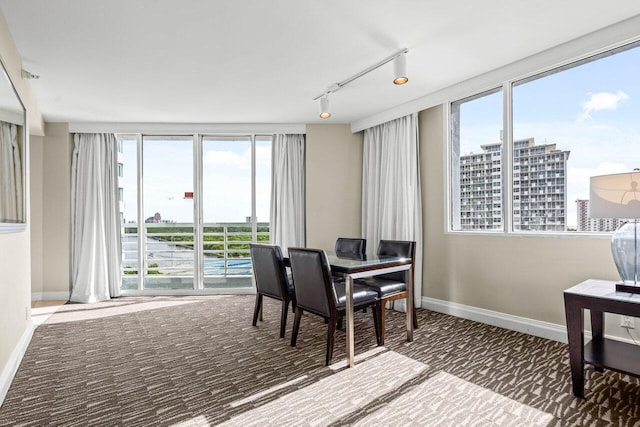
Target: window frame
point(199, 287)
point(451, 158)
point(508, 148)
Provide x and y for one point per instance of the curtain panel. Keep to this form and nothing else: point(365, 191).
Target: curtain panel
point(11, 203)
point(391, 195)
point(95, 219)
point(288, 227)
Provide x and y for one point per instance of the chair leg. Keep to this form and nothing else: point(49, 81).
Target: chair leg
point(258, 309)
point(415, 318)
point(296, 326)
point(283, 316)
point(376, 320)
point(330, 333)
point(383, 315)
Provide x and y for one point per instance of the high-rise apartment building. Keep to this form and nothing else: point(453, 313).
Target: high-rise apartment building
point(594, 224)
point(539, 187)
point(481, 189)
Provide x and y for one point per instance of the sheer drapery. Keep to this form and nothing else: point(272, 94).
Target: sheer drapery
point(95, 258)
point(288, 191)
point(391, 197)
point(11, 203)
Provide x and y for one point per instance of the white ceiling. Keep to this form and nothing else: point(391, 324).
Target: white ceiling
point(259, 61)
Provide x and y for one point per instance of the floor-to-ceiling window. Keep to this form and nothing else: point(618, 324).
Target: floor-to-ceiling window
point(168, 212)
point(191, 205)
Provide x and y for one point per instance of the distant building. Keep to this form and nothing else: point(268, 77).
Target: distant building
point(539, 187)
point(594, 224)
point(155, 218)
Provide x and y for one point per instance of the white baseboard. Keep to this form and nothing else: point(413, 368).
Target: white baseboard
point(48, 296)
point(10, 369)
point(525, 325)
point(188, 292)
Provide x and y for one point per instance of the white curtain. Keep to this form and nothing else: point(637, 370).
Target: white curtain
point(95, 232)
point(11, 203)
point(288, 227)
point(391, 200)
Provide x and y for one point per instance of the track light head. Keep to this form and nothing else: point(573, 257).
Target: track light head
point(324, 107)
point(400, 69)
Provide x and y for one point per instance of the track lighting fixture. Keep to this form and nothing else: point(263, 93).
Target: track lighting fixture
point(324, 106)
point(400, 78)
point(400, 69)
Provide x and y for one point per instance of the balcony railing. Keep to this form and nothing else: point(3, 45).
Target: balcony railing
point(169, 249)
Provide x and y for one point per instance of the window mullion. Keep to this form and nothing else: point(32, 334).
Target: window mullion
point(507, 159)
point(254, 217)
point(142, 232)
point(198, 243)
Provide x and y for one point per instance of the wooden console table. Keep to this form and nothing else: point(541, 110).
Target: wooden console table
point(598, 296)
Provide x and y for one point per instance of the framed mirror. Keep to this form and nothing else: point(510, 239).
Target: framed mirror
point(13, 141)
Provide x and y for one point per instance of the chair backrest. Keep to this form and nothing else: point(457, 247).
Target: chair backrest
point(397, 248)
point(269, 270)
point(346, 246)
point(312, 280)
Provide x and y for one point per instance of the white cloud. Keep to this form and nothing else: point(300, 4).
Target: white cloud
point(601, 101)
point(228, 159)
point(263, 154)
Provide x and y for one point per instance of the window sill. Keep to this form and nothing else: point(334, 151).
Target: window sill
point(552, 235)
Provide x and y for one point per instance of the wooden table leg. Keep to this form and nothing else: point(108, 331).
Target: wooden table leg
point(597, 329)
point(575, 335)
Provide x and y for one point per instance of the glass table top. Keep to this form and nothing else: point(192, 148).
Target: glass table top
point(349, 261)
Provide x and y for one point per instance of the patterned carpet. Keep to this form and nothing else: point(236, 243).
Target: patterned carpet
point(197, 361)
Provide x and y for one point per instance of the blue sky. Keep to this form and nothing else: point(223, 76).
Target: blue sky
point(168, 174)
point(592, 110)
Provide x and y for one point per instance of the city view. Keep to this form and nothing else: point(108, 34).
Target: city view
point(559, 142)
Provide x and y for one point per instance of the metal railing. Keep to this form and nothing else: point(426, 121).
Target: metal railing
point(169, 249)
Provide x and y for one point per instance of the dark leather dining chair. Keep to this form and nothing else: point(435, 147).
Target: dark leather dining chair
point(317, 293)
point(271, 280)
point(351, 247)
point(391, 286)
point(346, 247)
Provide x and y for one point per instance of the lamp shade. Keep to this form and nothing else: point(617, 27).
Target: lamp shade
point(615, 196)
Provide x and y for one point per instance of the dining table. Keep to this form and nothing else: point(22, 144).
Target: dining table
point(358, 267)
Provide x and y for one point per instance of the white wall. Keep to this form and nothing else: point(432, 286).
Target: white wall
point(15, 256)
point(36, 159)
point(56, 230)
point(334, 184)
point(13, 63)
point(51, 213)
